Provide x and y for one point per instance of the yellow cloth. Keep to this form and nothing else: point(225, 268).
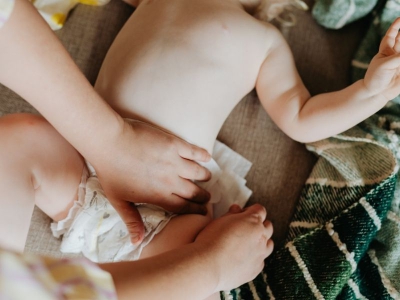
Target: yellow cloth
point(31, 276)
point(55, 11)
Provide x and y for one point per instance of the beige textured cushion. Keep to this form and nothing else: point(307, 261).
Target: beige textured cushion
point(280, 165)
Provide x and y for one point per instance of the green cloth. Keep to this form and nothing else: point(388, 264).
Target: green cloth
point(334, 14)
point(383, 16)
point(344, 239)
point(342, 244)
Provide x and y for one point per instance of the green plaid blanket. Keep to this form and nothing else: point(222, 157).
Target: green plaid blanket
point(344, 239)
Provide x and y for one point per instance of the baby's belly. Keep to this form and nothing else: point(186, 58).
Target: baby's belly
point(194, 117)
point(184, 83)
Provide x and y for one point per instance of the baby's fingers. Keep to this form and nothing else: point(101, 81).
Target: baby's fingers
point(270, 248)
point(396, 46)
point(389, 41)
point(269, 229)
point(192, 152)
point(393, 29)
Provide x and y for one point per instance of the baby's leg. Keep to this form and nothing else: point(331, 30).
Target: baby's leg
point(181, 230)
point(37, 166)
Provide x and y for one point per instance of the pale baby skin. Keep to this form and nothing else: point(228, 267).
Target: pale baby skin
point(183, 65)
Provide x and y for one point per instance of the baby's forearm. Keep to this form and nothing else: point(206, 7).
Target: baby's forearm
point(327, 114)
point(36, 66)
point(184, 273)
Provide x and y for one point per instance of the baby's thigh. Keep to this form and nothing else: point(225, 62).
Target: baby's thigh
point(51, 166)
point(36, 165)
point(180, 230)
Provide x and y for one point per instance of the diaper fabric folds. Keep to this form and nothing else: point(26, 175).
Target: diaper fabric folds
point(94, 229)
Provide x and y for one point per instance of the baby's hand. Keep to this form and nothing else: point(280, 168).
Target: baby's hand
point(383, 74)
point(239, 242)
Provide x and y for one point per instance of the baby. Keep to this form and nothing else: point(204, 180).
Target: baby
point(175, 73)
point(182, 66)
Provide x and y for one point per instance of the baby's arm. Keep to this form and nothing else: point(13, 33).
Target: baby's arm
point(229, 252)
point(305, 118)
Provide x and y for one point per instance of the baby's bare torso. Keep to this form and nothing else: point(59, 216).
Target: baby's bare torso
point(184, 64)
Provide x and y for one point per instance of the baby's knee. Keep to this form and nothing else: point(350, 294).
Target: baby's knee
point(26, 137)
point(22, 126)
point(22, 137)
point(33, 134)
point(35, 148)
point(13, 133)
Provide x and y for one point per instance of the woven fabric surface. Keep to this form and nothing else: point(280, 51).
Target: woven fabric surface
point(344, 238)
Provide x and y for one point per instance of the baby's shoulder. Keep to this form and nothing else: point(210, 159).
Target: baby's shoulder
point(273, 35)
point(270, 29)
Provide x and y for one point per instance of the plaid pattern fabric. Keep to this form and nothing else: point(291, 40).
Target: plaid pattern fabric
point(335, 14)
point(344, 239)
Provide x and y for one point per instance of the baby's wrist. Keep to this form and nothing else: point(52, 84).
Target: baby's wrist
point(366, 89)
point(371, 93)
